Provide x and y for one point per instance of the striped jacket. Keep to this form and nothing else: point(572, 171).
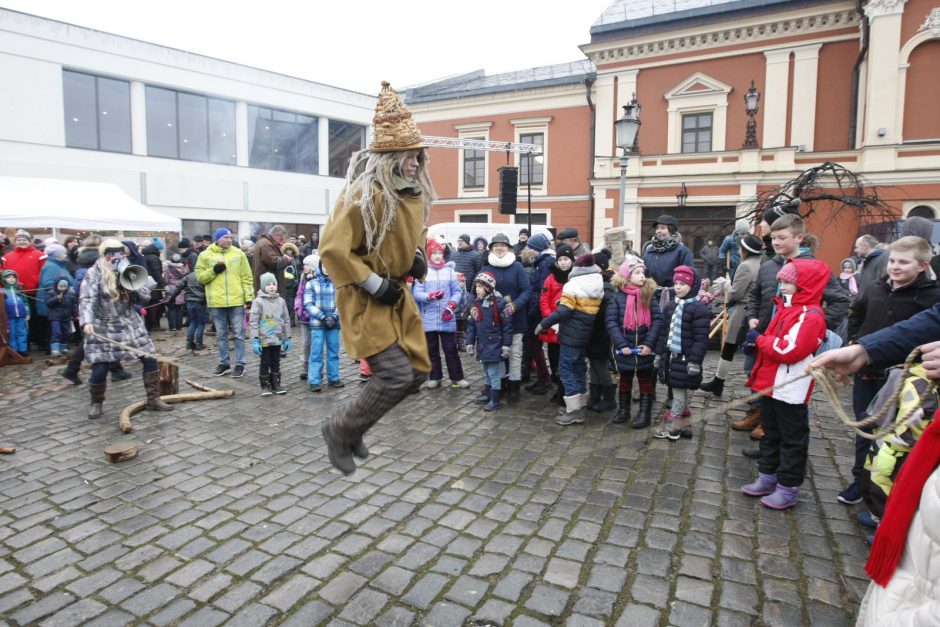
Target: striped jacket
point(320, 300)
point(580, 301)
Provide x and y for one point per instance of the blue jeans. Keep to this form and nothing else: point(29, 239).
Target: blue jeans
point(19, 334)
point(318, 337)
point(493, 374)
point(572, 369)
point(198, 314)
point(226, 318)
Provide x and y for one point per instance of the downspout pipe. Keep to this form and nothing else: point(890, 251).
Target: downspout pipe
point(857, 74)
point(588, 85)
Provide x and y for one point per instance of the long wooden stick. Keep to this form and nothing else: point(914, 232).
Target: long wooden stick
point(124, 421)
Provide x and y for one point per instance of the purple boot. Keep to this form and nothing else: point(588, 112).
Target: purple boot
point(765, 484)
point(782, 498)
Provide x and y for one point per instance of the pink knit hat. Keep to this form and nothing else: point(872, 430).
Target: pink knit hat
point(631, 263)
point(787, 273)
point(684, 274)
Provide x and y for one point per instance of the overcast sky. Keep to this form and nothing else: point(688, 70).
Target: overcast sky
point(353, 44)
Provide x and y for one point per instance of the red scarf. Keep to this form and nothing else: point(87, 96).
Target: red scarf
point(903, 501)
point(635, 314)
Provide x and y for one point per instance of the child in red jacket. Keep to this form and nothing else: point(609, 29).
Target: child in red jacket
point(783, 351)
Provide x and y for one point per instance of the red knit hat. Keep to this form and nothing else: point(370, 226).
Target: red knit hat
point(787, 273)
point(487, 280)
point(433, 245)
point(684, 274)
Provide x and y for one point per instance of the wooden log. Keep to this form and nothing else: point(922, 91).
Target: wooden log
point(7, 450)
point(120, 452)
point(169, 378)
point(124, 421)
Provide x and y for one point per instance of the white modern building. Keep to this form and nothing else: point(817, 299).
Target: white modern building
point(211, 142)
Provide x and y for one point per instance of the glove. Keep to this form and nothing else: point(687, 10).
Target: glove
point(329, 322)
point(538, 329)
point(418, 267)
point(256, 346)
point(448, 314)
point(470, 349)
point(504, 354)
point(219, 268)
point(285, 345)
point(509, 310)
point(439, 294)
point(750, 342)
point(657, 360)
point(694, 370)
point(384, 291)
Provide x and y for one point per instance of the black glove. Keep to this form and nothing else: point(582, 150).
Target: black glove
point(219, 268)
point(418, 267)
point(329, 322)
point(388, 293)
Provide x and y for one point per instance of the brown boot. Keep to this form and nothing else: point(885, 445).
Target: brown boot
point(97, 398)
point(757, 433)
point(152, 385)
point(750, 421)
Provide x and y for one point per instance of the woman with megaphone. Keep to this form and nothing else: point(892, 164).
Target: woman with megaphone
point(113, 330)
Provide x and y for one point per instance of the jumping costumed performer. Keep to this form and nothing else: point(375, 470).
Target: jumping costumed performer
point(371, 244)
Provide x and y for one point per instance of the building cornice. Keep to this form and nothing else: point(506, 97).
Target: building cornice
point(721, 35)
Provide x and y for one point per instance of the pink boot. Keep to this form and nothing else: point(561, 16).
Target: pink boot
point(782, 498)
point(765, 484)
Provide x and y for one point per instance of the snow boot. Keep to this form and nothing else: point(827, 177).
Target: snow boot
point(716, 386)
point(765, 484)
point(608, 393)
point(494, 400)
point(484, 396)
point(152, 386)
point(97, 391)
point(276, 383)
point(644, 417)
point(623, 410)
point(265, 384)
point(573, 410)
point(782, 498)
point(594, 396)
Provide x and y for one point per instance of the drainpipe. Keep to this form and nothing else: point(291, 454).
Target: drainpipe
point(857, 73)
point(588, 84)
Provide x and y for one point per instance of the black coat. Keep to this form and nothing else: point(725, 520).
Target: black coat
point(696, 319)
point(880, 306)
point(621, 338)
point(599, 346)
point(154, 265)
point(466, 262)
point(488, 328)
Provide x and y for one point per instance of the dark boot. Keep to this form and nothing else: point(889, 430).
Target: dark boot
point(644, 417)
point(716, 386)
point(512, 393)
point(339, 451)
point(190, 345)
point(71, 374)
point(557, 395)
point(97, 398)
point(494, 400)
point(359, 449)
point(484, 396)
point(623, 410)
point(608, 393)
point(594, 396)
point(265, 380)
point(540, 387)
point(152, 386)
point(276, 383)
point(200, 346)
point(119, 374)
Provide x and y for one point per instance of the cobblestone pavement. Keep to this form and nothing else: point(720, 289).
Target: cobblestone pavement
point(231, 515)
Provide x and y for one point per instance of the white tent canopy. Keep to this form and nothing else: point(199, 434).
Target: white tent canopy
point(81, 205)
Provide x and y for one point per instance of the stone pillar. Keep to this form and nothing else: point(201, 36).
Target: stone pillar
point(805, 68)
point(883, 59)
point(775, 98)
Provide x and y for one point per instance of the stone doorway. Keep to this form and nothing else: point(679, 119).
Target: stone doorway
point(696, 225)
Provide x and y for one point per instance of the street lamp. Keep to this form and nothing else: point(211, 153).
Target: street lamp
point(528, 178)
point(682, 196)
point(627, 128)
point(751, 98)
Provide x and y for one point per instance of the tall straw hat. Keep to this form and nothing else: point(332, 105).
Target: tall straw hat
point(392, 127)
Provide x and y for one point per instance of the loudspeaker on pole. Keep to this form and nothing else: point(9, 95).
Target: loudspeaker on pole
point(508, 187)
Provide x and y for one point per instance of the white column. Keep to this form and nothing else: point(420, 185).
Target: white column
point(883, 61)
point(777, 74)
point(138, 118)
point(805, 69)
point(241, 133)
point(604, 123)
point(323, 145)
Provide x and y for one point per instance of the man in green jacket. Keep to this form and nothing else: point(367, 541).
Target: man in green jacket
point(226, 273)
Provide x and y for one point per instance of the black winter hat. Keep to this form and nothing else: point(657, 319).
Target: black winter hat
point(602, 260)
point(564, 251)
point(568, 233)
point(752, 243)
point(184, 243)
point(781, 209)
point(465, 237)
point(499, 238)
point(668, 220)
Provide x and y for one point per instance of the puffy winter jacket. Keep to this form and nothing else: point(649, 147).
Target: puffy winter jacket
point(233, 286)
point(760, 299)
point(549, 299)
point(694, 340)
point(541, 269)
point(661, 265)
point(320, 300)
point(154, 265)
point(488, 328)
point(466, 262)
point(173, 274)
point(27, 263)
point(52, 271)
point(64, 309)
point(513, 283)
point(881, 306)
point(622, 338)
point(443, 279)
point(190, 289)
point(793, 335)
point(269, 320)
point(599, 346)
point(580, 301)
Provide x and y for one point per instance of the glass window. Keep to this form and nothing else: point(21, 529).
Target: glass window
point(474, 167)
point(473, 217)
point(97, 112)
point(188, 126)
point(697, 132)
point(538, 169)
point(282, 140)
point(345, 139)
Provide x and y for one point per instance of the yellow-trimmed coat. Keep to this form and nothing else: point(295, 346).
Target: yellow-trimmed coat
point(369, 327)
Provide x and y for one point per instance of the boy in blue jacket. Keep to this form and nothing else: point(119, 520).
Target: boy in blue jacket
point(17, 312)
point(489, 335)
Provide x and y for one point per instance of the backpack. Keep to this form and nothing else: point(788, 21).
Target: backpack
point(832, 340)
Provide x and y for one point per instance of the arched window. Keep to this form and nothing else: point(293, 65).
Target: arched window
point(922, 211)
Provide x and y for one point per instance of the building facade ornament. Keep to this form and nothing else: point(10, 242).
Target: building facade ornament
point(879, 8)
point(932, 23)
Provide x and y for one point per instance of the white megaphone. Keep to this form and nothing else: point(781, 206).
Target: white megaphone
point(132, 278)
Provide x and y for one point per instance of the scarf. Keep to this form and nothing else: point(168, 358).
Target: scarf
point(501, 262)
point(437, 266)
point(903, 502)
point(662, 245)
point(635, 314)
point(675, 325)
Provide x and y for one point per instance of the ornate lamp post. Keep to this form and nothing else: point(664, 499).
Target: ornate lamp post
point(751, 98)
point(627, 128)
point(682, 196)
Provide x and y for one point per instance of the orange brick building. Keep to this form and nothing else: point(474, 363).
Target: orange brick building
point(836, 84)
